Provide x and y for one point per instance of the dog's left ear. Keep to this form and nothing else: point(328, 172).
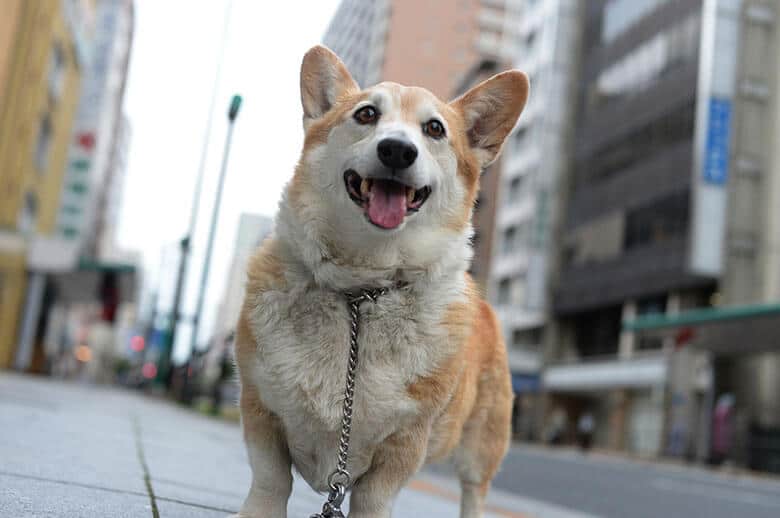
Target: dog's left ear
point(490, 111)
point(324, 79)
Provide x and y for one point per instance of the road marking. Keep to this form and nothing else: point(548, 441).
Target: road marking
point(690, 488)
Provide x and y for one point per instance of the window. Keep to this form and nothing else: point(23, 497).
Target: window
point(638, 146)
point(530, 39)
point(511, 291)
point(56, 71)
point(620, 15)
point(520, 139)
point(504, 291)
point(508, 243)
point(43, 144)
point(647, 63)
point(527, 338)
point(515, 189)
point(650, 306)
point(28, 213)
point(658, 221)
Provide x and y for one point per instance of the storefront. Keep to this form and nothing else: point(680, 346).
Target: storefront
point(724, 395)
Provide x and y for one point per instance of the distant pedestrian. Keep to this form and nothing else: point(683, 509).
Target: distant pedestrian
point(585, 426)
point(723, 428)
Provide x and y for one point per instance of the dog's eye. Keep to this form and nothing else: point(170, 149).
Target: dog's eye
point(366, 115)
point(434, 128)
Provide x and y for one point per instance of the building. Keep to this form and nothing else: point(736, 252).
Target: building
point(42, 62)
point(252, 230)
point(483, 218)
point(534, 166)
point(672, 207)
point(64, 273)
point(375, 39)
point(110, 204)
point(357, 34)
point(98, 149)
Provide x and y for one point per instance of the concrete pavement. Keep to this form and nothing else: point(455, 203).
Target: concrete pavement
point(85, 451)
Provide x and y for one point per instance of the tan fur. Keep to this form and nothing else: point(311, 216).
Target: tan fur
point(455, 398)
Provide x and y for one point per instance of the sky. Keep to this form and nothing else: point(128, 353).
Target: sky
point(173, 67)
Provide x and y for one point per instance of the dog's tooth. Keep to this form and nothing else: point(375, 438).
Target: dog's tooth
point(365, 186)
point(410, 194)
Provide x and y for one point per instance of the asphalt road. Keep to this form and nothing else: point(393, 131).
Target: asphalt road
point(619, 488)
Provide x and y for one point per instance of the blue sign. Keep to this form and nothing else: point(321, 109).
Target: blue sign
point(525, 383)
point(716, 152)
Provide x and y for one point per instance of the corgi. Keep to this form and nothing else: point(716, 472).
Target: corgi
point(381, 198)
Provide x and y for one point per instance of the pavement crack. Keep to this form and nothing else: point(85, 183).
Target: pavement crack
point(139, 446)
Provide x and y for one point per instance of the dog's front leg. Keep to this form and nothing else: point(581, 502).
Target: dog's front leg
point(396, 460)
point(269, 459)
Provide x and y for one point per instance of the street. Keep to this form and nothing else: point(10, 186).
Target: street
point(81, 450)
point(613, 487)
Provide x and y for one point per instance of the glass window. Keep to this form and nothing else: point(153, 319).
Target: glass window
point(504, 291)
point(43, 143)
point(527, 338)
point(641, 144)
point(509, 239)
point(515, 189)
point(659, 221)
point(56, 71)
point(649, 62)
point(620, 15)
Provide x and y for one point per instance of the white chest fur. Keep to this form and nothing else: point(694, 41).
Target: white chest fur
point(300, 369)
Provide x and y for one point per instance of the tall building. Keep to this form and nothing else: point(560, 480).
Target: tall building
point(42, 59)
point(101, 135)
point(65, 255)
point(534, 164)
point(357, 34)
point(377, 38)
point(671, 207)
point(252, 230)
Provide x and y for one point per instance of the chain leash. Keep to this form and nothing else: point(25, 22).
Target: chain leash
point(340, 480)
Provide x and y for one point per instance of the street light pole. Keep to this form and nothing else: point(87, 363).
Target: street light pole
point(185, 244)
point(235, 105)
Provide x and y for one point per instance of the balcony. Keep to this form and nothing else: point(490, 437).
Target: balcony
point(607, 374)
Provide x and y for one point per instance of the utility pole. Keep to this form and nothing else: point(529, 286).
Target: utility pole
point(185, 244)
point(235, 105)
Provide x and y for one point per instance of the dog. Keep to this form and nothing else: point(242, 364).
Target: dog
point(381, 198)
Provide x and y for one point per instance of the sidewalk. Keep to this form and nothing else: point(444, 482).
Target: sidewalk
point(85, 451)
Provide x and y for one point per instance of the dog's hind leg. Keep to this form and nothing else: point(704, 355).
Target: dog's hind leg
point(269, 459)
point(484, 443)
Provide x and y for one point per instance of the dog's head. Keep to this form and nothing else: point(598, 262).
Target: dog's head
point(394, 164)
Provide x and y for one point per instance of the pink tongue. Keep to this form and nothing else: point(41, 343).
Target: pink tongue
point(387, 203)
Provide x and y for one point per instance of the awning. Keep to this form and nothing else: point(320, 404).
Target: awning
point(728, 330)
point(701, 316)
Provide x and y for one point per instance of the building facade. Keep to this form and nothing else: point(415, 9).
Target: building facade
point(375, 39)
point(534, 163)
point(42, 60)
point(357, 34)
point(666, 211)
point(69, 165)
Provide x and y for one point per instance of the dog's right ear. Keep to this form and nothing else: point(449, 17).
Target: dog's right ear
point(324, 79)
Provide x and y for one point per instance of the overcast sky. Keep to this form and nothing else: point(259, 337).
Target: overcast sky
point(172, 71)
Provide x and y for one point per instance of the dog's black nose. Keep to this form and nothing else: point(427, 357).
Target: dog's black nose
point(396, 153)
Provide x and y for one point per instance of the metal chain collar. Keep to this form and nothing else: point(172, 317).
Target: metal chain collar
point(340, 480)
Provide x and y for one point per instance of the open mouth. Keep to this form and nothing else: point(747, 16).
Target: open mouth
point(385, 202)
